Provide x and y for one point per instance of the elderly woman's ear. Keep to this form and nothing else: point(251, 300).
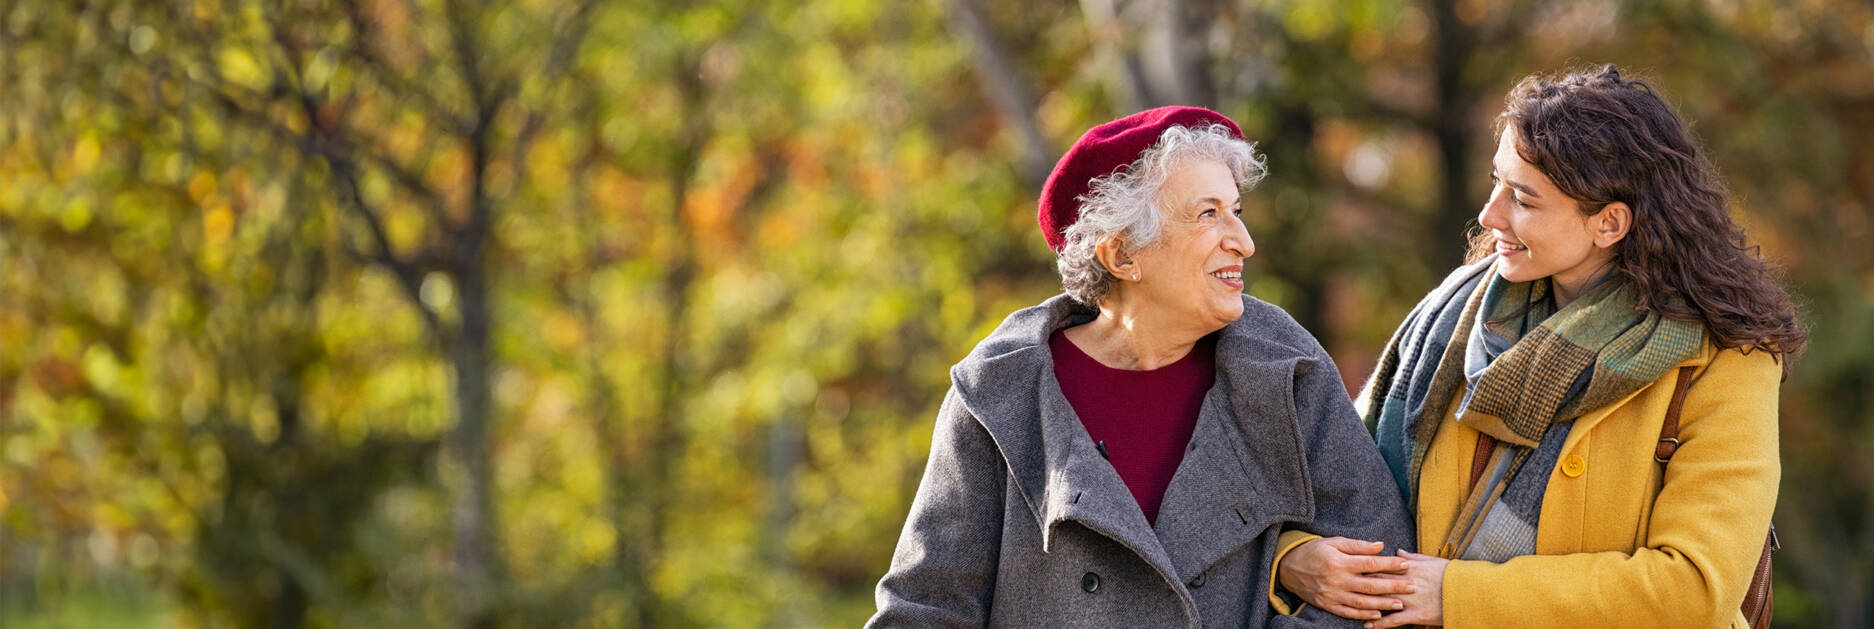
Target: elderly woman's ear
point(1112, 255)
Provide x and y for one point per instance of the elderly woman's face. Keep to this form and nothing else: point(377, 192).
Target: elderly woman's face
point(1195, 270)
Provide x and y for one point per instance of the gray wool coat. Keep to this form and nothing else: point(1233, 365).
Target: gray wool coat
point(1019, 522)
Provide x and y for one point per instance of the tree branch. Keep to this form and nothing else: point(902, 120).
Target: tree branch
point(383, 73)
point(463, 43)
point(318, 142)
point(1109, 34)
point(573, 29)
point(408, 275)
point(314, 143)
point(1006, 90)
point(287, 78)
point(1178, 69)
point(471, 239)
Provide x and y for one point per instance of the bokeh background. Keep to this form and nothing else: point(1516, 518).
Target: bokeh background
point(545, 313)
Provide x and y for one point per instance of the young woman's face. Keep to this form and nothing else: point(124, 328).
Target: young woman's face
point(1195, 270)
point(1539, 231)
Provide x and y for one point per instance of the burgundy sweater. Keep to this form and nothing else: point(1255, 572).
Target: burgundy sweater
point(1141, 420)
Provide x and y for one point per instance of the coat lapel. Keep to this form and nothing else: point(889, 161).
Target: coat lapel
point(1083, 487)
point(1050, 455)
point(1241, 473)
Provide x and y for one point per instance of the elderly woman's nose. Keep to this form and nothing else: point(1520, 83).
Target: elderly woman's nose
point(1238, 242)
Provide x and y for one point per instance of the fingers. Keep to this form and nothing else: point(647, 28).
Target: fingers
point(1388, 622)
point(1363, 602)
point(1354, 546)
point(1347, 577)
point(1375, 563)
point(1400, 619)
point(1371, 584)
point(1382, 586)
point(1344, 611)
point(1412, 555)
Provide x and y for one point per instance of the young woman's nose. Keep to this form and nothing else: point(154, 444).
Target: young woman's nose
point(1496, 210)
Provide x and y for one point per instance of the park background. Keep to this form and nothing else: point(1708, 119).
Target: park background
point(537, 313)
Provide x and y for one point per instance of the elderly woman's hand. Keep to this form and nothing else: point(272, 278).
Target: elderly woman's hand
point(1426, 605)
point(1340, 575)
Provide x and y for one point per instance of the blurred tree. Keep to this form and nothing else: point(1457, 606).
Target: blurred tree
point(163, 307)
point(417, 136)
point(421, 135)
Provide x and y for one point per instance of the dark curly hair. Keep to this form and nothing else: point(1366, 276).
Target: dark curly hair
point(1604, 138)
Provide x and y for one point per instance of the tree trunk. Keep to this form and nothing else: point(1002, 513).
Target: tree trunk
point(784, 455)
point(1304, 272)
point(667, 429)
point(290, 603)
point(1177, 63)
point(1006, 88)
point(1450, 125)
point(290, 607)
point(1109, 36)
point(474, 515)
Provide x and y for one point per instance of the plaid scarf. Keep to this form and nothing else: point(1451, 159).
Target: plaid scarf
point(1525, 374)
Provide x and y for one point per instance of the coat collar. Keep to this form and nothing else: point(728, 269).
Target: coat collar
point(1242, 473)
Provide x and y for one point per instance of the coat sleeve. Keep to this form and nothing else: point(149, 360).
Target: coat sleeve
point(944, 570)
point(1354, 495)
point(1705, 535)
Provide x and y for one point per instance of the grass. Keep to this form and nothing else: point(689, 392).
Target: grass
point(126, 605)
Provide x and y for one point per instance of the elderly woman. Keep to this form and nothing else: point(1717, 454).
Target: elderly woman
point(1129, 454)
point(1584, 419)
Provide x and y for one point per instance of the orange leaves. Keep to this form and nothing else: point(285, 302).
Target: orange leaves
point(451, 176)
point(714, 205)
point(615, 192)
point(58, 377)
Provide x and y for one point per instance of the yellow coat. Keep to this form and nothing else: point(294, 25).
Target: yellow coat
point(1614, 548)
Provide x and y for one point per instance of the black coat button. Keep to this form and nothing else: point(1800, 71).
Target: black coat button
point(1090, 582)
point(1197, 582)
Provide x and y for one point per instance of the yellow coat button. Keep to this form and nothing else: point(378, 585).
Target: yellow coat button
point(1574, 465)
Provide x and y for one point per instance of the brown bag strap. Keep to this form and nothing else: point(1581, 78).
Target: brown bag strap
point(1759, 601)
point(1669, 431)
point(1480, 458)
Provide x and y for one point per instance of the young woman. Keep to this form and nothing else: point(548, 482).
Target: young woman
point(1519, 406)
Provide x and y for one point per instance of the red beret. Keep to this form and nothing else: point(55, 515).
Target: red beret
point(1104, 149)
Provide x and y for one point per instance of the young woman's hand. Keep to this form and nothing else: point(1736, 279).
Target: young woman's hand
point(1340, 575)
point(1425, 606)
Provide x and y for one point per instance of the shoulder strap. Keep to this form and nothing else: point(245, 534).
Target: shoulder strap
point(1758, 601)
point(1669, 431)
point(1480, 458)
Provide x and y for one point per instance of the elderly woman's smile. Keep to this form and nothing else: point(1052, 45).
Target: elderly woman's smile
point(1231, 276)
